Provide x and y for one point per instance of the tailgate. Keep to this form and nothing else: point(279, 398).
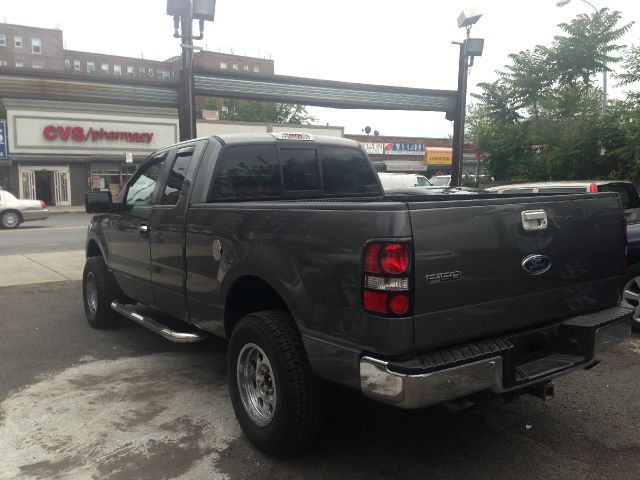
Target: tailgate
point(470, 281)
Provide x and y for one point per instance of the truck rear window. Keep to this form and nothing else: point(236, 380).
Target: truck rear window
point(256, 171)
point(627, 193)
point(346, 171)
point(248, 171)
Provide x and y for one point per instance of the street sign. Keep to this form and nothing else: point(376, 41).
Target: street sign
point(128, 157)
point(3, 139)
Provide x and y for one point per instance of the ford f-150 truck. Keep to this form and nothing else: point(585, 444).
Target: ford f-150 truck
point(287, 246)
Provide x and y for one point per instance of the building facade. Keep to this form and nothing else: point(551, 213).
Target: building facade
point(22, 46)
point(59, 150)
point(421, 155)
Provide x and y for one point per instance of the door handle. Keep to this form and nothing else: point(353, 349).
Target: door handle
point(534, 220)
point(144, 230)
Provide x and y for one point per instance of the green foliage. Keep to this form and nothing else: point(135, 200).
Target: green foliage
point(267, 112)
point(542, 118)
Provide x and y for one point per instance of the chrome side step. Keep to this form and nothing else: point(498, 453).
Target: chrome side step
point(155, 326)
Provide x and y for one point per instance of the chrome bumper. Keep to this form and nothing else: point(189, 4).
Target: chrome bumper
point(417, 391)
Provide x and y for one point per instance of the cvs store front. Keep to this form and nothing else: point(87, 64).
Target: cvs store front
point(57, 151)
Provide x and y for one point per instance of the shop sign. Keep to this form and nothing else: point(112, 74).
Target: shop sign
point(404, 166)
point(470, 157)
point(373, 148)
point(438, 156)
point(3, 139)
point(404, 148)
point(80, 134)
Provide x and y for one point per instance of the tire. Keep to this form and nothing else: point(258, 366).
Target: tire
point(98, 291)
point(631, 296)
point(10, 219)
point(291, 413)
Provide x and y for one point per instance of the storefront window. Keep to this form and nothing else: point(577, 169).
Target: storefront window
point(110, 177)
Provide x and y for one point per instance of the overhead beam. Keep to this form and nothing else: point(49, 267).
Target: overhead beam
point(85, 88)
point(323, 93)
point(76, 87)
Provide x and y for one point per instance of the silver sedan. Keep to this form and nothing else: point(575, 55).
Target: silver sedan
point(14, 211)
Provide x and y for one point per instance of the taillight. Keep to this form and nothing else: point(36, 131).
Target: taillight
point(42, 204)
point(394, 258)
point(593, 188)
point(386, 280)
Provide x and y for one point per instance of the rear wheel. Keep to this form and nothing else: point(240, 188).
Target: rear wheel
point(98, 292)
point(631, 298)
point(10, 219)
point(276, 398)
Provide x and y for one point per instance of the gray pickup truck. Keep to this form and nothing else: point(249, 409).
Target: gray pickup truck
point(287, 246)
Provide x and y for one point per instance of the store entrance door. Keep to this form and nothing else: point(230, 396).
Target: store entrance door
point(50, 184)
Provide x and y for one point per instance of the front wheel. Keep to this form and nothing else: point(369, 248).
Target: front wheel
point(10, 219)
point(98, 292)
point(275, 397)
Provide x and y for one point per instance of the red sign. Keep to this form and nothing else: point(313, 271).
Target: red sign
point(79, 134)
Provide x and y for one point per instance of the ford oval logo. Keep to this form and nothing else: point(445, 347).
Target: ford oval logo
point(536, 264)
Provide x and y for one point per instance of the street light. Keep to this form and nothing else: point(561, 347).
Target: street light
point(561, 4)
point(469, 48)
point(183, 13)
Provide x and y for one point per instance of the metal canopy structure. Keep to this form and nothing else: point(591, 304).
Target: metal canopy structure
point(101, 89)
point(323, 93)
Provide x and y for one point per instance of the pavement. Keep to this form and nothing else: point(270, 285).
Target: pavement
point(71, 209)
point(33, 268)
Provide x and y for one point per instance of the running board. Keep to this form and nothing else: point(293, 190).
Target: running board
point(155, 326)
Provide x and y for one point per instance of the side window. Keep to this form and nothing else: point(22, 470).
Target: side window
point(140, 192)
point(247, 171)
point(347, 171)
point(300, 169)
point(176, 176)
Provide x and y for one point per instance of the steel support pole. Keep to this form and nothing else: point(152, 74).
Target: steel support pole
point(187, 110)
point(458, 123)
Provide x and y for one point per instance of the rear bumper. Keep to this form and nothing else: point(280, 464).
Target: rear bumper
point(499, 365)
point(28, 215)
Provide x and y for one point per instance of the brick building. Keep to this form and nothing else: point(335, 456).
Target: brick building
point(43, 48)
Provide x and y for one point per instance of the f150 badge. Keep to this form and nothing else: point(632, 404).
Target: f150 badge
point(443, 277)
point(536, 264)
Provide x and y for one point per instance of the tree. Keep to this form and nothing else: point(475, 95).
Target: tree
point(542, 118)
point(255, 111)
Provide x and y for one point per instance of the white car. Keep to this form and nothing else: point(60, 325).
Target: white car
point(402, 180)
point(626, 190)
point(14, 211)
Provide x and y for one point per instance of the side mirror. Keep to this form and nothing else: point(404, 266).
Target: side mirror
point(97, 202)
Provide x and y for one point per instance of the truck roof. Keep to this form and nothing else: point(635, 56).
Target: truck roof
point(262, 138)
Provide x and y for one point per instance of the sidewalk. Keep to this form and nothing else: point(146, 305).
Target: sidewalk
point(41, 268)
point(72, 209)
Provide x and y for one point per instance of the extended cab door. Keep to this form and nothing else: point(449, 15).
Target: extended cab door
point(167, 232)
point(129, 233)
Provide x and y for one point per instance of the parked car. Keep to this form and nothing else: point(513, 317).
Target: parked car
point(402, 180)
point(626, 190)
point(286, 245)
point(440, 180)
point(14, 211)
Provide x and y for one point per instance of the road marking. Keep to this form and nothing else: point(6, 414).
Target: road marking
point(41, 229)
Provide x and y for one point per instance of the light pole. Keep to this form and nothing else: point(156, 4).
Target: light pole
point(469, 48)
point(183, 13)
point(562, 3)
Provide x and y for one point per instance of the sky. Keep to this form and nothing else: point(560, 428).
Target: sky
point(402, 42)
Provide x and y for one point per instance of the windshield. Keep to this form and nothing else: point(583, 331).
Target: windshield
point(423, 181)
point(440, 181)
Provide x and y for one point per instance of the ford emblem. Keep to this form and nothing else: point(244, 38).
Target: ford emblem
point(536, 264)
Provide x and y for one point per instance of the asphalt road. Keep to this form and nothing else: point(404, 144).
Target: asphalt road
point(125, 403)
point(61, 232)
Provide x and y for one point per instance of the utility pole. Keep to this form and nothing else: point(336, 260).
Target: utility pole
point(183, 13)
point(188, 131)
